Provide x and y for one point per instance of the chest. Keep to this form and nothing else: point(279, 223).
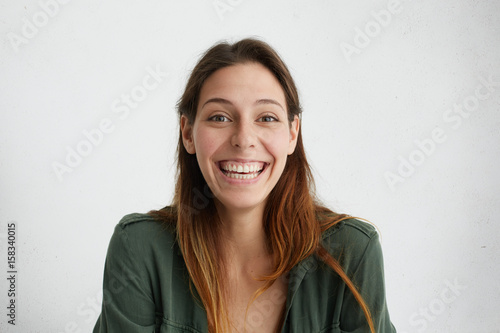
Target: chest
point(264, 313)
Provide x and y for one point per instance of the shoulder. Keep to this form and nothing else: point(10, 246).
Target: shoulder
point(142, 226)
point(140, 235)
point(351, 228)
point(351, 242)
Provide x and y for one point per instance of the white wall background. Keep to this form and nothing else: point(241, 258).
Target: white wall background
point(363, 113)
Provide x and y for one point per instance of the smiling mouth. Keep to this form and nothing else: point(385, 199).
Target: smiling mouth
point(242, 171)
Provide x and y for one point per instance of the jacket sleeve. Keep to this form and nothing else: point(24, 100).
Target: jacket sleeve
point(127, 304)
point(368, 277)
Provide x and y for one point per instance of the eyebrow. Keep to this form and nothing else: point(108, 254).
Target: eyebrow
point(217, 100)
point(262, 101)
point(269, 101)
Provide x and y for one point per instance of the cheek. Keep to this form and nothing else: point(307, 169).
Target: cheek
point(206, 142)
point(277, 143)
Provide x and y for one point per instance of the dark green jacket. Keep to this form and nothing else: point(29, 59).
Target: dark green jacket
point(146, 286)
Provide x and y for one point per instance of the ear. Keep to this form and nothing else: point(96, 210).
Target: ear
point(187, 135)
point(294, 134)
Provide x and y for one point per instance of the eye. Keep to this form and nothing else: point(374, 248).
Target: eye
point(219, 118)
point(267, 119)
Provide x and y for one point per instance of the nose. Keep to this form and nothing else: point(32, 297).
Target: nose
point(244, 135)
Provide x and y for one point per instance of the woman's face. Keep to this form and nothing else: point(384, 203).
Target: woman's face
point(241, 135)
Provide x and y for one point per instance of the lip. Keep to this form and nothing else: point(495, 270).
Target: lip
point(241, 181)
point(239, 160)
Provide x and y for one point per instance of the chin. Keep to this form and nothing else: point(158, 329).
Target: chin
point(241, 204)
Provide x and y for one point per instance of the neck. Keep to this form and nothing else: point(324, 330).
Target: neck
point(245, 245)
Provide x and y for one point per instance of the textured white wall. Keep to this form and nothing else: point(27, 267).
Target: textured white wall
point(380, 125)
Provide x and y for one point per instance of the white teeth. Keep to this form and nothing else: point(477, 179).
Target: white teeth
point(242, 171)
point(240, 176)
point(231, 167)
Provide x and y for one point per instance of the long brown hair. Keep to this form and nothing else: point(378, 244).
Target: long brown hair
point(294, 219)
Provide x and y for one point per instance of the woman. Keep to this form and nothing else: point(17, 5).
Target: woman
point(245, 246)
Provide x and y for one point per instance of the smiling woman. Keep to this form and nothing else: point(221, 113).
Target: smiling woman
point(261, 254)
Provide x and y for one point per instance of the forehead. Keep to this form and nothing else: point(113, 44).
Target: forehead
point(243, 83)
